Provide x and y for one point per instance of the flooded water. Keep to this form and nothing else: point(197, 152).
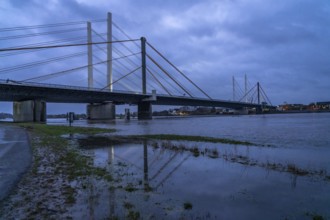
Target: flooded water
point(286, 178)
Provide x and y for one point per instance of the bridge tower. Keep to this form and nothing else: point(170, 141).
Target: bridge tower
point(109, 52)
point(90, 55)
point(144, 106)
point(106, 110)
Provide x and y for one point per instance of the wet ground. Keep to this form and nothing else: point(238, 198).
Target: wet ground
point(15, 157)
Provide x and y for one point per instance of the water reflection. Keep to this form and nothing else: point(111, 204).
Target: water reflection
point(145, 165)
point(211, 185)
point(244, 182)
point(163, 164)
point(112, 191)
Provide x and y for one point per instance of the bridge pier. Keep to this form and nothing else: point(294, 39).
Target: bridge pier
point(242, 111)
point(127, 114)
point(259, 110)
point(29, 111)
point(101, 111)
point(144, 110)
point(145, 107)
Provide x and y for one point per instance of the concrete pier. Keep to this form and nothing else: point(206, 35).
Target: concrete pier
point(29, 111)
point(127, 114)
point(144, 110)
point(101, 111)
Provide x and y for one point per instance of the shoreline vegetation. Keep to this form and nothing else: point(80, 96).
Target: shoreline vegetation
point(62, 172)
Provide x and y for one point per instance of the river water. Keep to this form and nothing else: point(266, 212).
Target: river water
point(286, 175)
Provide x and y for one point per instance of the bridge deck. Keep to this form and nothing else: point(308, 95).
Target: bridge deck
point(16, 91)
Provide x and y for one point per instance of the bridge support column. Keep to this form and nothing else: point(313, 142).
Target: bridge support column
point(243, 111)
point(127, 114)
point(259, 110)
point(144, 110)
point(101, 111)
point(29, 111)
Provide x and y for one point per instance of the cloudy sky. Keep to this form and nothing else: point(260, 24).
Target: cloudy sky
point(285, 45)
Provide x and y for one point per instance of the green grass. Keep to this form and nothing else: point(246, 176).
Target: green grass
point(133, 215)
point(58, 130)
point(192, 138)
point(315, 216)
point(130, 188)
point(69, 193)
point(65, 159)
point(128, 205)
point(187, 206)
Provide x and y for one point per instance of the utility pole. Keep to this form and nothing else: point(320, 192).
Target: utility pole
point(90, 55)
point(109, 52)
point(144, 67)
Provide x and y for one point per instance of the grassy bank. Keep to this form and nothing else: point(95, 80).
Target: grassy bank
point(46, 191)
point(57, 130)
point(173, 137)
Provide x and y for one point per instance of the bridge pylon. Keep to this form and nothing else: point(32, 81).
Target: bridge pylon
point(144, 106)
point(105, 110)
point(144, 65)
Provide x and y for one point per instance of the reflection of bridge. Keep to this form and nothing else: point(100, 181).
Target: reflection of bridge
point(30, 95)
point(138, 166)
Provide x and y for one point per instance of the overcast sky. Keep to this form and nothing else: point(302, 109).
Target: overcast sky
point(283, 44)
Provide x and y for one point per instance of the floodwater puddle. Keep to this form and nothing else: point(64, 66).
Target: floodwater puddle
point(155, 179)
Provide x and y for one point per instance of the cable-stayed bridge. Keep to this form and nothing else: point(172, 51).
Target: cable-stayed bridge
point(76, 62)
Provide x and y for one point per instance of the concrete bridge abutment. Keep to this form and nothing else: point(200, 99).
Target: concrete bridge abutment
point(29, 111)
point(101, 111)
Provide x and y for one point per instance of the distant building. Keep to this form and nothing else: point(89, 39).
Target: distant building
point(292, 107)
point(317, 106)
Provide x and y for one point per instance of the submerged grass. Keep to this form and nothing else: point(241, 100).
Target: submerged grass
point(233, 158)
point(187, 206)
point(193, 138)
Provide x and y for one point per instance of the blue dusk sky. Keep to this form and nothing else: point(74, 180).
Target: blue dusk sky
point(283, 44)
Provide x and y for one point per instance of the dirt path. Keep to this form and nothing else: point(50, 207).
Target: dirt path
point(15, 157)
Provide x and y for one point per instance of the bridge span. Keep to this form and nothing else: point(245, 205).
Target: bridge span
point(53, 93)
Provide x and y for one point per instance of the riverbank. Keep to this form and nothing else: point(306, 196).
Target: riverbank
point(91, 173)
point(48, 188)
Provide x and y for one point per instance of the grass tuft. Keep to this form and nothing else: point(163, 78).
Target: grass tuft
point(187, 206)
point(193, 138)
